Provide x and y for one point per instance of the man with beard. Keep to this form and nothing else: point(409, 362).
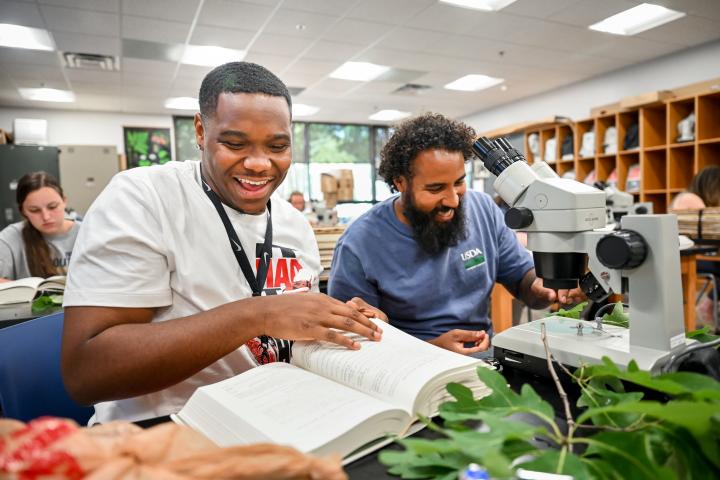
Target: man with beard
point(429, 257)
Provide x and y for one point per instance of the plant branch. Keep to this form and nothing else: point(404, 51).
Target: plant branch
point(558, 385)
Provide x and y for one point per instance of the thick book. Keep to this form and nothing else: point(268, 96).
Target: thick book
point(332, 400)
point(26, 289)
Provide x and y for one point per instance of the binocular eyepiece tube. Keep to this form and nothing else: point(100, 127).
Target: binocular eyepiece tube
point(496, 155)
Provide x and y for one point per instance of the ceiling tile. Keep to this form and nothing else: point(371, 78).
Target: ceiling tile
point(18, 13)
point(395, 12)
point(285, 21)
point(36, 74)
point(689, 30)
point(702, 8)
point(326, 7)
point(326, 50)
point(533, 8)
point(109, 6)
point(356, 31)
point(221, 37)
point(81, 21)
point(154, 30)
point(445, 18)
point(280, 45)
point(80, 43)
point(156, 68)
point(231, 14)
point(411, 39)
point(94, 76)
point(586, 12)
point(37, 57)
point(172, 10)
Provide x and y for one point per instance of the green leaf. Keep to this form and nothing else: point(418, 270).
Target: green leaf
point(42, 304)
point(686, 385)
point(572, 313)
point(617, 316)
point(502, 402)
point(702, 335)
point(626, 452)
point(556, 461)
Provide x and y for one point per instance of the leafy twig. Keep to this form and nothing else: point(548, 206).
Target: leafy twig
point(558, 385)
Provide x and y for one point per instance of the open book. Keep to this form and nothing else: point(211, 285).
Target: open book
point(331, 399)
point(26, 289)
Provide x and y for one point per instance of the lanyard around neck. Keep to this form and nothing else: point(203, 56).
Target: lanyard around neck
point(256, 284)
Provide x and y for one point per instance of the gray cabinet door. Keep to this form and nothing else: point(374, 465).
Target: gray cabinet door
point(16, 161)
point(85, 170)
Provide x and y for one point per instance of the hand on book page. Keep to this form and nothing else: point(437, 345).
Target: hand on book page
point(315, 316)
point(331, 399)
point(366, 309)
point(397, 369)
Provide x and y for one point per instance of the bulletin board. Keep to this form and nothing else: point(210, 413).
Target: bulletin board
point(145, 146)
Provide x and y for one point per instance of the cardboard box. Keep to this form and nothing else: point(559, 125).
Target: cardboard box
point(345, 194)
point(3, 137)
point(712, 85)
point(331, 199)
point(646, 99)
point(328, 183)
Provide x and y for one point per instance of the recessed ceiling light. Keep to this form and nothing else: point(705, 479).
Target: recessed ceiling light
point(300, 26)
point(503, 87)
point(359, 71)
point(182, 103)
point(487, 5)
point(16, 36)
point(47, 94)
point(388, 115)
point(210, 56)
point(302, 110)
point(637, 19)
point(473, 83)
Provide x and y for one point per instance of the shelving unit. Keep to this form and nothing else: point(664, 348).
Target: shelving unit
point(666, 165)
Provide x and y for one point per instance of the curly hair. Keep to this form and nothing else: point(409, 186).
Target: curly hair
point(428, 131)
point(239, 77)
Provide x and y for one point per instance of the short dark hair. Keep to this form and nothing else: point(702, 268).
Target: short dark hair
point(413, 136)
point(239, 77)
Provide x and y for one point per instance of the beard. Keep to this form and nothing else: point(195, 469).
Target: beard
point(431, 235)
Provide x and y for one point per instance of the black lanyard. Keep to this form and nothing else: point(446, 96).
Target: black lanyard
point(256, 284)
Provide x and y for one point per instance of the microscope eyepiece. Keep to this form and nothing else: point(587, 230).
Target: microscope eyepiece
point(493, 155)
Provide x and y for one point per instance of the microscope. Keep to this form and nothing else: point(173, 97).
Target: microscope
point(619, 203)
point(565, 221)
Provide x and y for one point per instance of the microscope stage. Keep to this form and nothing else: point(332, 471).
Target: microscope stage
point(521, 346)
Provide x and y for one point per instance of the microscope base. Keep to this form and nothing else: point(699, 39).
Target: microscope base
point(520, 346)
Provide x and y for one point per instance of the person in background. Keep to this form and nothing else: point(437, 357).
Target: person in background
point(178, 276)
point(429, 257)
point(703, 192)
point(297, 200)
point(40, 245)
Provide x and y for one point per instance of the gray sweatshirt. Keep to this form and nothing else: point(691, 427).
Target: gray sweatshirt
point(13, 258)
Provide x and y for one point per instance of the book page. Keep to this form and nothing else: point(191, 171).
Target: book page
point(289, 406)
point(394, 369)
point(18, 291)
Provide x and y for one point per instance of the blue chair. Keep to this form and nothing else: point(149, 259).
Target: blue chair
point(30, 381)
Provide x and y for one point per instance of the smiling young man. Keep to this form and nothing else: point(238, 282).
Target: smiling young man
point(177, 280)
point(429, 257)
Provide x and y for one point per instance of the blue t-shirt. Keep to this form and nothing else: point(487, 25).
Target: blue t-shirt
point(378, 260)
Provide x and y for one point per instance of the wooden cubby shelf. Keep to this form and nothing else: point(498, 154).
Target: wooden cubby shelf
point(666, 166)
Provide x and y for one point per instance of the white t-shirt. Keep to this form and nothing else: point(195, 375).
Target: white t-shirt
point(154, 239)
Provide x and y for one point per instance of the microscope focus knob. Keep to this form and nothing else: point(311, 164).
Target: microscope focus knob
point(520, 217)
point(622, 249)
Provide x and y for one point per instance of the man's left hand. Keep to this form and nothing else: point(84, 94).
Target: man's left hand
point(563, 296)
